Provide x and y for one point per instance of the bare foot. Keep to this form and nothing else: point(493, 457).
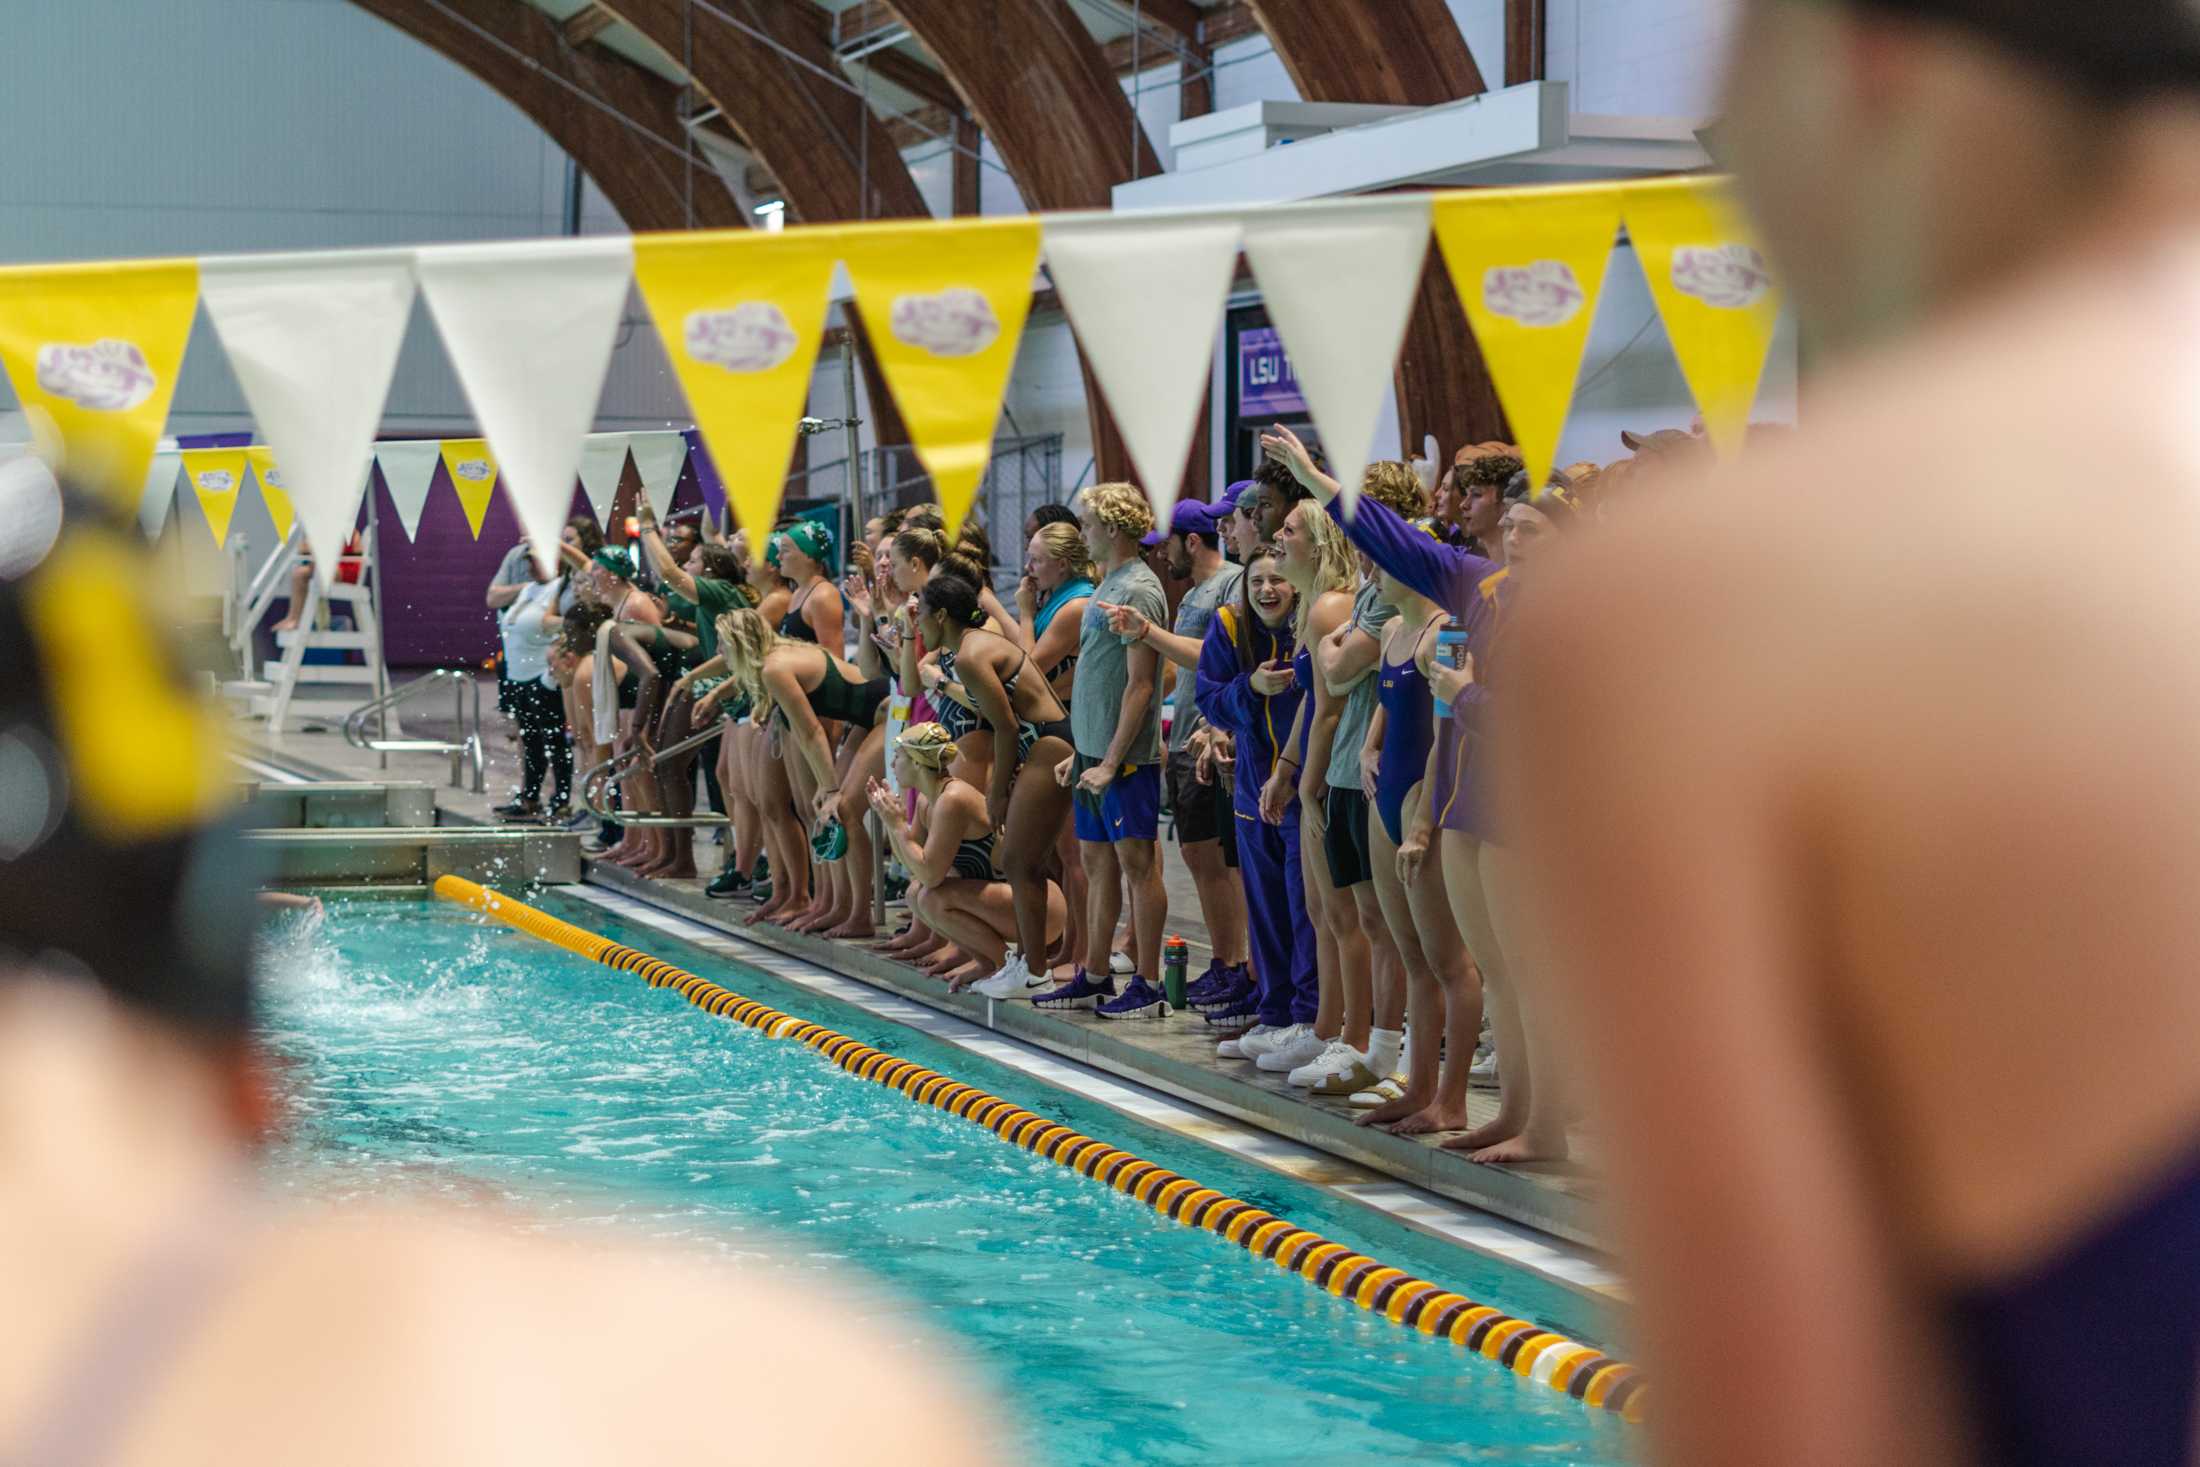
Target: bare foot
point(287, 624)
point(1405, 1105)
point(1523, 1147)
point(968, 974)
point(1503, 1128)
point(672, 871)
point(855, 928)
point(1430, 1118)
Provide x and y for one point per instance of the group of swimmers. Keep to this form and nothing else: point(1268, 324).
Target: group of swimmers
point(1327, 675)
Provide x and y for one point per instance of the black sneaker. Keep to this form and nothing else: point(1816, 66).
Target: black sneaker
point(730, 885)
point(518, 810)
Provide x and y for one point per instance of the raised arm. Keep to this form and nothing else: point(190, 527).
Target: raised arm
point(660, 559)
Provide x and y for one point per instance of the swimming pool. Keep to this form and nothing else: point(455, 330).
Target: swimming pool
point(435, 1052)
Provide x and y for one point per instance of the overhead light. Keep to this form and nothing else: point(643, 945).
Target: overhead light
point(774, 214)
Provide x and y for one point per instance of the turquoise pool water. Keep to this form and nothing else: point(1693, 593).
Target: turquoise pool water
point(432, 1052)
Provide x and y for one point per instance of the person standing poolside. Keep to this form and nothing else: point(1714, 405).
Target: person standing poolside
point(1874, 830)
point(1201, 808)
point(1246, 689)
point(1116, 771)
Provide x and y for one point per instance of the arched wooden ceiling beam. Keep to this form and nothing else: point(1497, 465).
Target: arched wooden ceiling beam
point(832, 158)
point(1039, 84)
point(1408, 53)
point(620, 122)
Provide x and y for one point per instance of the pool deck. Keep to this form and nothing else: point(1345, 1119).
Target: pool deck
point(1174, 1055)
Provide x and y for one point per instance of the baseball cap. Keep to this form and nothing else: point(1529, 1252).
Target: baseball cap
point(1191, 517)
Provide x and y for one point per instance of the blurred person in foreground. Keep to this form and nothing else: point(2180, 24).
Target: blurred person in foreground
point(161, 1308)
point(1868, 827)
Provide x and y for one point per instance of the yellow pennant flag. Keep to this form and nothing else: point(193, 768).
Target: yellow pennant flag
point(262, 459)
point(473, 471)
point(945, 304)
point(216, 475)
point(95, 350)
point(1714, 292)
point(742, 313)
point(1529, 267)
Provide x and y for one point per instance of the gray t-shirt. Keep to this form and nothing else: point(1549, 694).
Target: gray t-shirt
point(517, 568)
point(1370, 616)
point(1192, 615)
point(1103, 666)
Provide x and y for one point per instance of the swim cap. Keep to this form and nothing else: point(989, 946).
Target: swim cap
point(812, 539)
point(609, 561)
point(2116, 48)
point(119, 857)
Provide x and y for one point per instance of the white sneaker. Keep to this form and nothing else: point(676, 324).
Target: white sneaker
point(1120, 965)
point(1335, 1060)
point(1258, 1036)
point(1293, 1052)
point(1264, 1038)
point(1482, 1074)
point(1014, 980)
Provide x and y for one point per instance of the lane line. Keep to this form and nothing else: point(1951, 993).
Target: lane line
point(1423, 1211)
point(1515, 1344)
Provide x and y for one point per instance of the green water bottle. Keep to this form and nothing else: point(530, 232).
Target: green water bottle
point(1176, 956)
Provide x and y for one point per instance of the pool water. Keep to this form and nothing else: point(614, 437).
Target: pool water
point(437, 1053)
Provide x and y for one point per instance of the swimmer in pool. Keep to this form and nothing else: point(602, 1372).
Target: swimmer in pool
point(161, 1309)
point(1859, 784)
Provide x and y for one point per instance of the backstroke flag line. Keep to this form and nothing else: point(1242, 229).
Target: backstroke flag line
point(313, 339)
point(1714, 293)
point(741, 313)
point(530, 327)
point(945, 303)
point(1146, 297)
point(94, 350)
point(1338, 280)
point(1530, 275)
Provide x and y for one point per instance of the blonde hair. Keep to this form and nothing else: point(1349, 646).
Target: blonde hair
point(1395, 486)
point(745, 639)
point(1335, 566)
point(1120, 507)
point(928, 747)
point(1065, 546)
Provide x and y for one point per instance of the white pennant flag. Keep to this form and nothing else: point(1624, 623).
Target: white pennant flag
point(160, 493)
point(658, 458)
point(1338, 279)
point(603, 461)
point(314, 341)
point(408, 470)
point(530, 327)
point(1146, 297)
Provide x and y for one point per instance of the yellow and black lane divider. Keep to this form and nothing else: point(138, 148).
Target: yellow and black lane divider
point(1535, 1353)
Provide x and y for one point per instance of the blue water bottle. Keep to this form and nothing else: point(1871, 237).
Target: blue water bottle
point(1451, 651)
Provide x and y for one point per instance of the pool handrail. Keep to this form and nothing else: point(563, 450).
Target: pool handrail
point(594, 781)
point(467, 750)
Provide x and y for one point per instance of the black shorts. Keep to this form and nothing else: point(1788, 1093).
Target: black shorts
point(1202, 810)
point(1344, 837)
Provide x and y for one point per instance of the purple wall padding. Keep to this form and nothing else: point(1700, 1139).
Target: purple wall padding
point(432, 588)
